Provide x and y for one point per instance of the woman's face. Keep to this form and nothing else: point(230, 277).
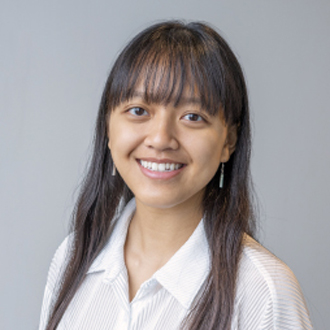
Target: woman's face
point(167, 154)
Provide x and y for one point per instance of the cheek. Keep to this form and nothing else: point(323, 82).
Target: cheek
point(207, 150)
point(122, 140)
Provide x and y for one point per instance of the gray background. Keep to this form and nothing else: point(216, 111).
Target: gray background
point(55, 57)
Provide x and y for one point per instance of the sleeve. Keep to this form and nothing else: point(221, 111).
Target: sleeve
point(286, 307)
point(55, 272)
point(268, 295)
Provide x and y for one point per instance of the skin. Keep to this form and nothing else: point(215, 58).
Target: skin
point(167, 209)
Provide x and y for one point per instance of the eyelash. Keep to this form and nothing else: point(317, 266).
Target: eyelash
point(200, 118)
point(131, 110)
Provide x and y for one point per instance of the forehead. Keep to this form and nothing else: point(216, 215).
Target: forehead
point(157, 95)
point(164, 84)
point(164, 80)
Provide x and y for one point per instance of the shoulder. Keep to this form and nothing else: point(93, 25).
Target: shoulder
point(268, 292)
point(56, 269)
point(59, 262)
point(266, 266)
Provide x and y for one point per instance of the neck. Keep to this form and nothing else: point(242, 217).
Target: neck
point(153, 237)
point(158, 233)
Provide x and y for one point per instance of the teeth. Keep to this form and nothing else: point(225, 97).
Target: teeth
point(160, 167)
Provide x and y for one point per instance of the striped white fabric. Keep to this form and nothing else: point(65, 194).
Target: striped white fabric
point(268, 294)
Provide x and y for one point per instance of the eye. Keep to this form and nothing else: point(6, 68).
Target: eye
point(137, 111)
point(193, 117)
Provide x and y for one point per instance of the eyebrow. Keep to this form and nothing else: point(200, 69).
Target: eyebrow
point(182, 101)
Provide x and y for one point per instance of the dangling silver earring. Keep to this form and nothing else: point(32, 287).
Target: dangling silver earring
point(222, 175)
point(113, 169)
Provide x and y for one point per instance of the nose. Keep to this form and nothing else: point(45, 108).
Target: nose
point(161, 133)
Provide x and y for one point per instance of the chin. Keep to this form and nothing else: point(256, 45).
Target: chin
point(169, 201)
point(158, 203)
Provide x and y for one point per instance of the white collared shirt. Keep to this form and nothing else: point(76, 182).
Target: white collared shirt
point(268, 295)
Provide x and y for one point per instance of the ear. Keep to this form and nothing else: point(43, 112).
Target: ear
point(230, 143)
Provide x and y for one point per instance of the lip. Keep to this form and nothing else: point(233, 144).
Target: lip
point(159, 175)
point(159, 161)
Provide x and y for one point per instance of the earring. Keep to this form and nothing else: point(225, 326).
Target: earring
point(113, 169)
point(222, 175)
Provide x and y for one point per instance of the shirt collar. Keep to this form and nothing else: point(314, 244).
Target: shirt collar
point(111, 258)
point(182, 276)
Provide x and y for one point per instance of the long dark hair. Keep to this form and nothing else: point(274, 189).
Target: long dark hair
point(166, 58)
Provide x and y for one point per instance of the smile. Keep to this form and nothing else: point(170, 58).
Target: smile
point(160, 167)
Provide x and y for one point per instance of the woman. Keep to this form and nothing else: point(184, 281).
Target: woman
point(162, 234)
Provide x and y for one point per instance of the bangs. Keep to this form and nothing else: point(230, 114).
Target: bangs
point(168, 64)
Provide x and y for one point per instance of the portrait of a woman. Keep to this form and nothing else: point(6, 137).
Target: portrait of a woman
point(163, 229)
